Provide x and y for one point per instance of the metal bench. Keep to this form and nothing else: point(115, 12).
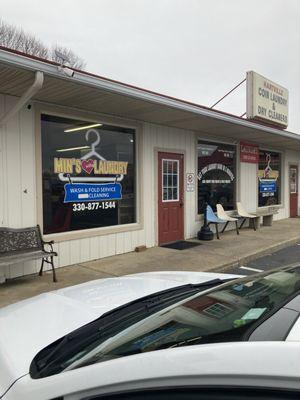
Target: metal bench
point(19, 245)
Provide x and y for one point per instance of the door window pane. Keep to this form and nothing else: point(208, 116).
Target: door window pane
point(216, 175)
point(269, 178)
point(170, 171)
point(88, 172)
point(293, 180)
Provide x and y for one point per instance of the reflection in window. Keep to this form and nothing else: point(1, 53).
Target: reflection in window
point(216, 175)
point(227, 313)
point(269, 179)
point(88, 174)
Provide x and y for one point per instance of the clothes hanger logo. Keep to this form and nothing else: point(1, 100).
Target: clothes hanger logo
point(92, 161)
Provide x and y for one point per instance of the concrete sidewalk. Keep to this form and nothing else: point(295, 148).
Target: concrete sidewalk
point(216, 255)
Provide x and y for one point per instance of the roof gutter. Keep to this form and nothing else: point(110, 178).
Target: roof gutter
point(111, 86)
point(30, 92)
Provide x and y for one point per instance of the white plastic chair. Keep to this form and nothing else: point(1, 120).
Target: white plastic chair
point(245, 215)
point(224, 216)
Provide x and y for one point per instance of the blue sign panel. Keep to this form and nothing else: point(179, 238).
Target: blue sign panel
point(80, 192)
point(267, 186)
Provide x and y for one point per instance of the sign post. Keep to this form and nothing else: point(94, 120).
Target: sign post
point(190, 182)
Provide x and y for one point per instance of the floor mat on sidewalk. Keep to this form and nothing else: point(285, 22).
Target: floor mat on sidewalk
point(181, 245)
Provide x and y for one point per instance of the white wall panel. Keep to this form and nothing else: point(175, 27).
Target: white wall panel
point(2, 164)
point(248, 186)
point(28, 168)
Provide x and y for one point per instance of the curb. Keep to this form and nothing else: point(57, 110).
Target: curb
point(253, 256)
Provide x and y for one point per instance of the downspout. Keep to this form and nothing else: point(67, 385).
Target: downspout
point(30, 92)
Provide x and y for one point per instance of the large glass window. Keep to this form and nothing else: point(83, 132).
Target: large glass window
point(88, 174)
point(216, 175)
point(269, 178)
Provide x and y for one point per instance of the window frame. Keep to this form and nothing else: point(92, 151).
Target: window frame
point(40, 109)
point(282, 179)
point(236, 193)
point(162, 180)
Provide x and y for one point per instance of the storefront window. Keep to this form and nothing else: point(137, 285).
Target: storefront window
point(88, 174)
point(216, 175)
point(269, 178)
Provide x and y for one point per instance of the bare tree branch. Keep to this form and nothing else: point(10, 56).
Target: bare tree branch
point(16, 39)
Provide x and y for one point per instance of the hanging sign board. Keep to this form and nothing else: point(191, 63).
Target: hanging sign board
point(190, 182)
point(76, 192)
point(266, 186)
point(266, 101)
point(249, 153)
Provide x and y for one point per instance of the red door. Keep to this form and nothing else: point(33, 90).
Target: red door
point(293, 191)
point(170, 197)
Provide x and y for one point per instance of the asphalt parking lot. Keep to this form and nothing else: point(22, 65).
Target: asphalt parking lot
point(286, 256)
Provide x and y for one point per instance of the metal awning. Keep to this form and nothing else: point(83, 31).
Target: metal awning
point(96, 94)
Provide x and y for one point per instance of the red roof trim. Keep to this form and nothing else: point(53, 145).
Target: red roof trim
point(19, 53)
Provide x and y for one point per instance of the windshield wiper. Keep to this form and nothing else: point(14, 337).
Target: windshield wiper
point(54, 357)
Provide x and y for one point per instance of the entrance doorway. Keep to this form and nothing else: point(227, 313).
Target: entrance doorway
point(293, 191)
point(170, 197)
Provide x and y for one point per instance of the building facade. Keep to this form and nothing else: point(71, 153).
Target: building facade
point(104, 167)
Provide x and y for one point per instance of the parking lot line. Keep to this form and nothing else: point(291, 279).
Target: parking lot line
point(251, 269)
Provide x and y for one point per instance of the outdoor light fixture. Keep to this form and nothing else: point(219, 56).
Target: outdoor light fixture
point(63, 68)
point(72, 148)
point(82, 128)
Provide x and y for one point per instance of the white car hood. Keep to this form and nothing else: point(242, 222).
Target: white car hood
point(30, 325)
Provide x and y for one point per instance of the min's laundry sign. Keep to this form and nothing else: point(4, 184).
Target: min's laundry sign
point(98, 167)
point(268, 178)
point(91, 178)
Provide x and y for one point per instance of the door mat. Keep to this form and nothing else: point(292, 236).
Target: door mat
point(181, 245)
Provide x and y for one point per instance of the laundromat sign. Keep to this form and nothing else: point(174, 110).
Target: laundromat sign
point(249, 153)
point(73, 165)
point(266, 100)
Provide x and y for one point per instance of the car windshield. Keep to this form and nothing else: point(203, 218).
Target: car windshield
point(227, 313)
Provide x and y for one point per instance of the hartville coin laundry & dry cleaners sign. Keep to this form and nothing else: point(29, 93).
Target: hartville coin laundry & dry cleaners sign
point(266, 100)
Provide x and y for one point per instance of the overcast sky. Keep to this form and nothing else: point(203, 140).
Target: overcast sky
point(196, 50)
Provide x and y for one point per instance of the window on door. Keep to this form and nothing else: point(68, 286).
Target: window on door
point(293, 180)
point(170, 186)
